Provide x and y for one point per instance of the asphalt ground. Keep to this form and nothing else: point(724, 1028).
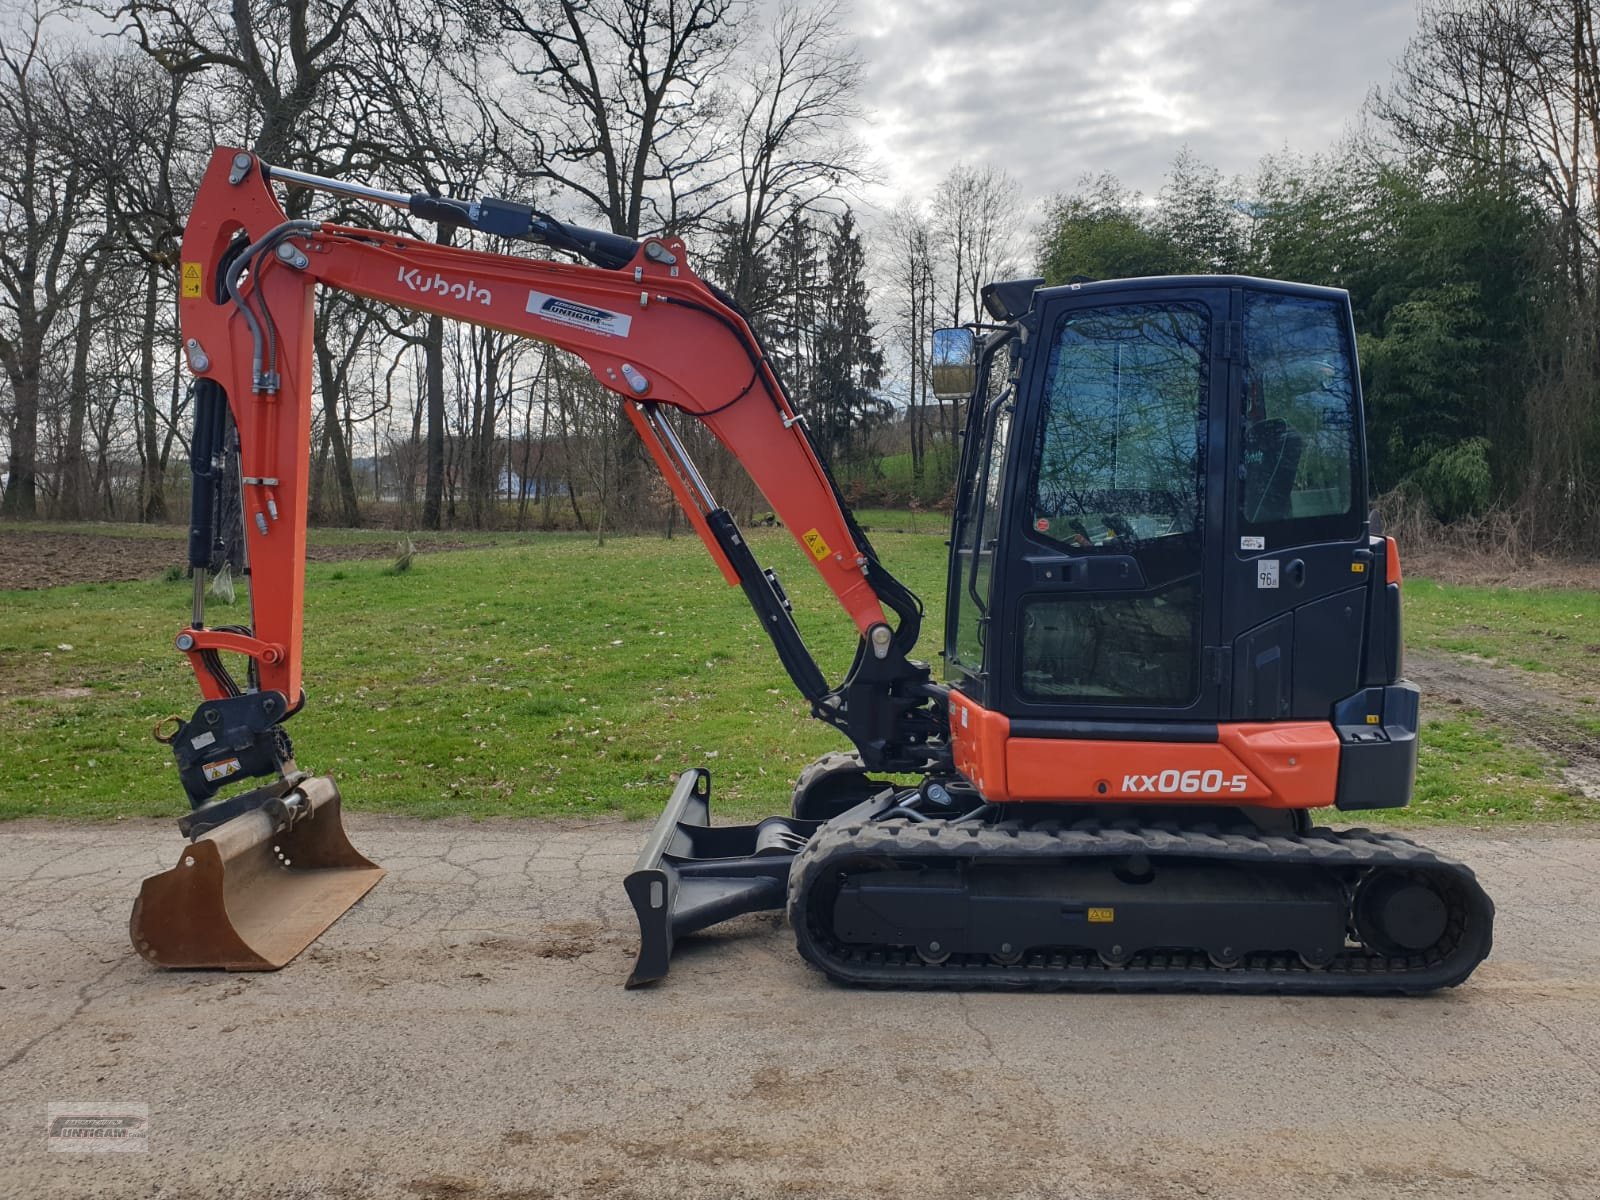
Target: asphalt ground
point(463, 1033)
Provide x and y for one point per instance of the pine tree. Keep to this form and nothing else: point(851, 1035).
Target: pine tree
point(849, 366)
point(791, 325)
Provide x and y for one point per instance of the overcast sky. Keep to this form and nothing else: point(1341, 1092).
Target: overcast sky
point(1053, 89)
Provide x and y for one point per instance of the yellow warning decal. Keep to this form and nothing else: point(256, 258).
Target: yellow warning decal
point(814, 543)
point(191, 280)
point(1102, 916)
point(1372, 718)
point(1358, 568)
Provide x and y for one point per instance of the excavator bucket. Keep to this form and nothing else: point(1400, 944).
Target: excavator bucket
point(252, 893)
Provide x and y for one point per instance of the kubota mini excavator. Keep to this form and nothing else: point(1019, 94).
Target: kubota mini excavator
point(1171, 630)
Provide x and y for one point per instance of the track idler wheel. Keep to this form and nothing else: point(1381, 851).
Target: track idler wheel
point(833, 784)
point(1398, 914)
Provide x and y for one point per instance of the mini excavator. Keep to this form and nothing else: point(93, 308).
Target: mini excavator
point(1172, 628)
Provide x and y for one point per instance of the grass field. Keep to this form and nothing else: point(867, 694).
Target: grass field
point(1555, 631)
point(547, 675)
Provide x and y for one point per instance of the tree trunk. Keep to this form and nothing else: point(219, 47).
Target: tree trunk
point(481, 475)
point(433, 360)
point(22, 484)
point(73, 494)
point(349, 514)
point(152, 487)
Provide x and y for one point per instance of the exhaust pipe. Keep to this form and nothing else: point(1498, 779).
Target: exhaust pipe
point(255, 891)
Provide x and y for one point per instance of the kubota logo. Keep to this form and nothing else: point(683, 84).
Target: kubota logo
point(440, 286)
point(1185, 783)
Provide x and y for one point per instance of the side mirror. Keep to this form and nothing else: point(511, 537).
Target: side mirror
point(955, 363)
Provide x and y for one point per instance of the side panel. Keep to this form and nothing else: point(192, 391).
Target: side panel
point(1286, 765)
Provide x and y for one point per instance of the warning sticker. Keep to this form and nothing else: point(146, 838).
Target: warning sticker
point(191, 280)
point(1102, 916)
point(221, 770)
point(814, 543)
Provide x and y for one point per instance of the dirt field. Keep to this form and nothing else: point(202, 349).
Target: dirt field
point(40, 560)
point(1537, 709)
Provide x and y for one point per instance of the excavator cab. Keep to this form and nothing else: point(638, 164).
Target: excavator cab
point(1162, 527)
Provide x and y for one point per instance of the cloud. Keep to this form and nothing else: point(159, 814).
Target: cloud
point(1051, 90)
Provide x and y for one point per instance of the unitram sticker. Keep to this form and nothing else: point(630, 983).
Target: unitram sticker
point(579, 316)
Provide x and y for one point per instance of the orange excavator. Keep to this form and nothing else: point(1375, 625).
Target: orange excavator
point(1172, 629)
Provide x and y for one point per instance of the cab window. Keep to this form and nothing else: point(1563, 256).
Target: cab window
point(1122, 439)
point(1300, 444)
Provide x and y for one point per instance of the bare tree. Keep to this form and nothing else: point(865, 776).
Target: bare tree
point(791, 136)
point(291, 56)
point(906, 247)
point(617, 105)
point(977, 218)
point(46, 196)
point(1508, 92)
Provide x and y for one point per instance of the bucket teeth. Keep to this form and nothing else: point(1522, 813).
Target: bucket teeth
point(250, 895)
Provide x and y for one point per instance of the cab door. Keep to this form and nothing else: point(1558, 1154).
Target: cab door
point(1296, 556)
point(1109, 571)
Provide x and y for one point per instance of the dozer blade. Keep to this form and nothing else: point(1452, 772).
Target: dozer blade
point(250, 894)
point(692, 874)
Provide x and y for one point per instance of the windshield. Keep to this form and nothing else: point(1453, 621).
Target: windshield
point(1122, 438)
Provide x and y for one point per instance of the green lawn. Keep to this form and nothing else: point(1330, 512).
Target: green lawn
point(1472, 764)
point(1552, 630)
point(549, 677)
point(546, 675)
point(1469, 769)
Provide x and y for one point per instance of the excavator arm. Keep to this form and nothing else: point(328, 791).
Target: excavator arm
point(647, 327)
point(650, 331)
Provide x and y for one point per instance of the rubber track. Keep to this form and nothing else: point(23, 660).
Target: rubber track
point(902, 842)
